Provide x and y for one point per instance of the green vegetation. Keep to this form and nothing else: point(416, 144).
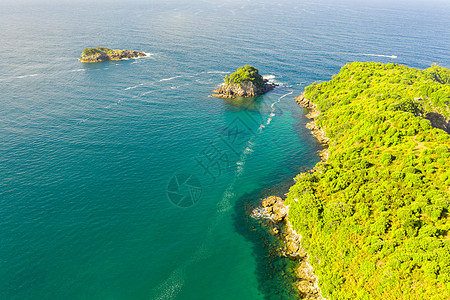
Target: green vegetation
point(96, 51)
point(375, 217)
point(245, 74)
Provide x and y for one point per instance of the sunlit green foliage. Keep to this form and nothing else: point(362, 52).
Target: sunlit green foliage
point(375, 217)
point(245, 74)
point(96, 51)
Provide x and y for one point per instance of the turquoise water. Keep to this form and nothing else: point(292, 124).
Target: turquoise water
point(90, 205)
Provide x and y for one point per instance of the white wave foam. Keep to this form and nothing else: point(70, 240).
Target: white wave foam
point(148, 54)
point(269, 77)
point(172, 286)
point(260, 213)
point(209, 81)
point(248, 149)
point(133, 87)
point(225, 204)
point(78, 70)
point(81, 120)
point(290, 93)
point(171, 78)
point(380, 55)
point(25, 76)
point(270, 117)
point(272, 114)
point(217, 72)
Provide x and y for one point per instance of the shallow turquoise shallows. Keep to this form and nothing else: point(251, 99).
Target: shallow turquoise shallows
point(124, 180)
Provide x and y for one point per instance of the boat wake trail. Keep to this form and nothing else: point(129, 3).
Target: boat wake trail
point(133, 87)
point(272, 113)
point(25, 76)
point(171, 78)
point(174, 284)
point(380, 55)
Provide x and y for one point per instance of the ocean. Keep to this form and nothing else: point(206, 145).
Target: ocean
point(124, 180)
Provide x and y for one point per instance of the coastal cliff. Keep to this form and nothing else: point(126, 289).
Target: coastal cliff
point(99, 54)
point(275, 209)
point(318, 132)
point(245, 82)
point(307, 283)
point(373, 215)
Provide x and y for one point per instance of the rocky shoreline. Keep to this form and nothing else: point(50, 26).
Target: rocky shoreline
point(273, 208)
point(246, 89)
point(307, 283)
point(315, 130)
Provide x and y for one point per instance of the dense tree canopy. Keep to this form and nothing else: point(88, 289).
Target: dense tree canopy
point(245, 74)
point(96, 51)
point(374, 218)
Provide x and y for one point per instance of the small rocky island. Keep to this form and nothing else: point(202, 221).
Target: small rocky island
point(99, 54)
point(245, 82)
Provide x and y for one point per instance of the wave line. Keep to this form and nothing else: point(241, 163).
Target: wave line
point(380, 55)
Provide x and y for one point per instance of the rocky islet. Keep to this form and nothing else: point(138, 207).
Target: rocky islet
point(245, 82)
point(99, 54)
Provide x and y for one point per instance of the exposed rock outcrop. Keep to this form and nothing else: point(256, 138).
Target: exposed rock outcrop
point(307, 282)
point(245, 82)
point(438, 121)
point(275, 208)
point(315, 130)
point(246, 89)
point(100, 54)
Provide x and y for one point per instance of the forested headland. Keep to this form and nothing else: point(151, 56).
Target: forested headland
point(374, 217)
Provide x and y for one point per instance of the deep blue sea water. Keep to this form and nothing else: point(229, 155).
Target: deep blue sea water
point(123, 180)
